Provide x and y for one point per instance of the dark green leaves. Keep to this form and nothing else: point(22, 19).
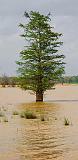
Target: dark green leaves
point(40, 64)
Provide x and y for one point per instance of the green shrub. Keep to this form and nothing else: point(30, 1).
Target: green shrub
point(28, 115)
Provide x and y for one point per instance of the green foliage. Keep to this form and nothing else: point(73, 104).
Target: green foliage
point(13, 81)
point(69, 79)
point(40, 65)
point(28, 115)
point(10, 81)
point(4, 80)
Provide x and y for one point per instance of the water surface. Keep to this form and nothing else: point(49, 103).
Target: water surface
point(26, 139)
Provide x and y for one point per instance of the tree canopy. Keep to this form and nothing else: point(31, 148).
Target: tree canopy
point(40, 64)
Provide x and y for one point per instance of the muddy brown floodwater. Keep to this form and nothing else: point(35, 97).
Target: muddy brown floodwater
point(27, 139)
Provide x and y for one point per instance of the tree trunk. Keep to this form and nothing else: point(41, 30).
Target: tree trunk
point(39, 97)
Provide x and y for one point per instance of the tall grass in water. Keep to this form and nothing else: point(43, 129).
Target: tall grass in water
point(15, 113)
point(5, 119)
point(66, 121)
point(28, 115)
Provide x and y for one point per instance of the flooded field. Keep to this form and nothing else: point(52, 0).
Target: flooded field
point(39, 139)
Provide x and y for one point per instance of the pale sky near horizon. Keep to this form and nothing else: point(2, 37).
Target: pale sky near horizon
point(64, 19)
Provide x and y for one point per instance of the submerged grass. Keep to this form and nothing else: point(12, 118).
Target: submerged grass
point(66, 121)
point(1, 114)
point(22, 115)
point(28, 115)
point(15, 113)
point(42, 118)
point(5, 119)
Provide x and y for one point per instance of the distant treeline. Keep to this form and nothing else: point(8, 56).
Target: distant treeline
point(14, 81)
point(9, 81)
point(69, 79)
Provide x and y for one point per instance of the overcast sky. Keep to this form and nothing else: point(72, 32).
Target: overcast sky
point(64, 19)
